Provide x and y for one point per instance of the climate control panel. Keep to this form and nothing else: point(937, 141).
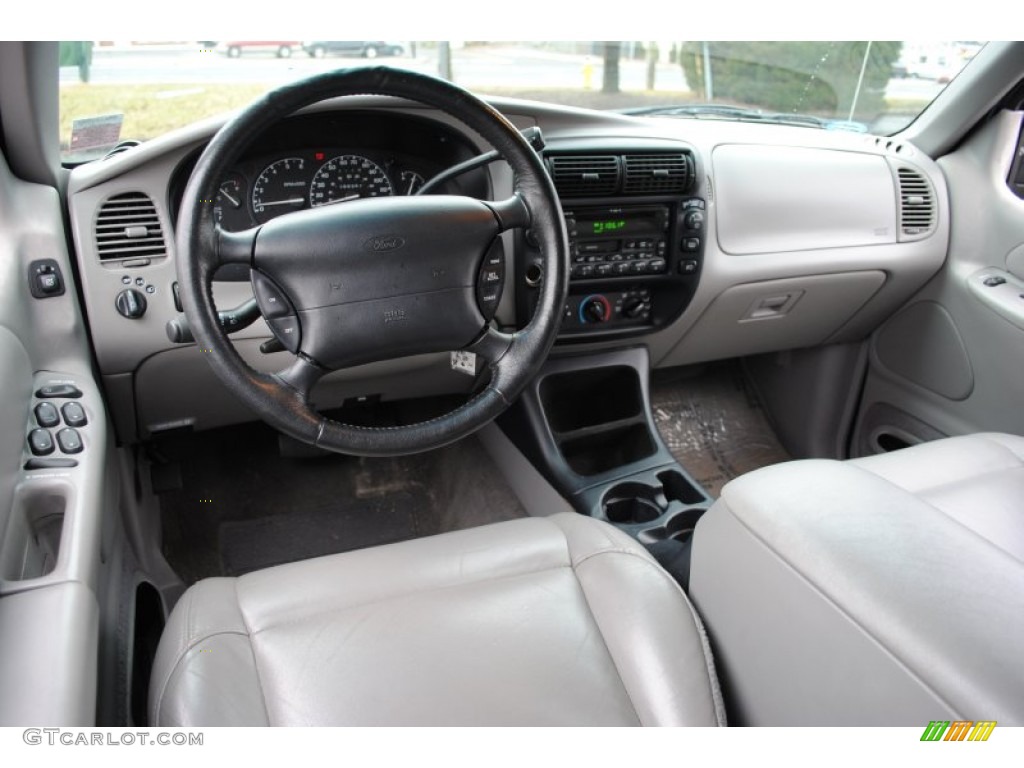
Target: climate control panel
point(607, 309)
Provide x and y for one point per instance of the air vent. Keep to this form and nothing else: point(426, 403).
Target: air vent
point(127, 227)
point(657, 174)
point(917, 205)
point(585, 175)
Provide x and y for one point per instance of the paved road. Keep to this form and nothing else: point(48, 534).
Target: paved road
point(473, 68)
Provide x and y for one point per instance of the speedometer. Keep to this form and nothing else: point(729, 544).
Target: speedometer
point(348, 177)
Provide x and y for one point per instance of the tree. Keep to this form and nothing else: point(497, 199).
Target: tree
point(444, 60)
point(799, 77)
point(652, 64)
point(610, 81)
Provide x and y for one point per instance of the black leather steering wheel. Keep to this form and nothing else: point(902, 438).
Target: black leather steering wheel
point(377, 278)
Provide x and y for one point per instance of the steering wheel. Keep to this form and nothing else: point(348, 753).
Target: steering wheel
point(377, 278)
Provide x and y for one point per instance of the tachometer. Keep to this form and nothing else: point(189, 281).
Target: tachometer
point(282, 187)
point(348, 177)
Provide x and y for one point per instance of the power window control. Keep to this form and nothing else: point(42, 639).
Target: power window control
point(69, 440)
point(46, 415)
point(40, 441)
point(74, 415)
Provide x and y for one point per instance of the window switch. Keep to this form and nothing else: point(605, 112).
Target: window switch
point(40, 441)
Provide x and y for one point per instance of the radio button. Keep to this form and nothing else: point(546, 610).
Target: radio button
point(638, 267)
point(603, 270)
point(655, 266)
point(587, 270)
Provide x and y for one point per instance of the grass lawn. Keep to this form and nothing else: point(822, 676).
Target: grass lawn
point(151, 110)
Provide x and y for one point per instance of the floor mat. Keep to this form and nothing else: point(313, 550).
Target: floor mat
point(712, 423)
point(241, 506)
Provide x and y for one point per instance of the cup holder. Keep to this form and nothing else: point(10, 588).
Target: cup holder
point(632, 511)
point(667, 507)
point(632, 503)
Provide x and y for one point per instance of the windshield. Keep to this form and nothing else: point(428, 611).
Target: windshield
point(112, 92)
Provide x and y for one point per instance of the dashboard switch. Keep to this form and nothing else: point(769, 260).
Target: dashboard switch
point(40, 441)
point(130, 303)
point(45, 279)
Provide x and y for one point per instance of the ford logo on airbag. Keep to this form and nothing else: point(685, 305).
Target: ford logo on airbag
point(380, 243)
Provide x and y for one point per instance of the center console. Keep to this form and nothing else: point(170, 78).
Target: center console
point(585, 423)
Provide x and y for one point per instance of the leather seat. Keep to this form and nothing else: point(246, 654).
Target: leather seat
point(888, 590)
point(540, 621)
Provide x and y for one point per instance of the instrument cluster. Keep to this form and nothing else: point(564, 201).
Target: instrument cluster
point(270, 186)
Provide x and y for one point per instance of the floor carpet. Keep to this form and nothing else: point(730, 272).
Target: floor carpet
point(713, 423)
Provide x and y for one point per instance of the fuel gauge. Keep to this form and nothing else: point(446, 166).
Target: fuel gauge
point(231, 210)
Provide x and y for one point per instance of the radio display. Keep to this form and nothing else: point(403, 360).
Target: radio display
point(619, 222)
point(608, 225)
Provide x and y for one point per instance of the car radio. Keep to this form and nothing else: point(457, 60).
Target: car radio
point(618, 242)
point(633, 268)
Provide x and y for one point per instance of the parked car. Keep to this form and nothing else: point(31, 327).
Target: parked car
point(376, 402)
point(280, 48)
point(368, 49)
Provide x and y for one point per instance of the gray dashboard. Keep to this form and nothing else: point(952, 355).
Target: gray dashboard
point(808, 237)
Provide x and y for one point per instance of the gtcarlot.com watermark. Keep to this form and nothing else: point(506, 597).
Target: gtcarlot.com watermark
point(68, 737)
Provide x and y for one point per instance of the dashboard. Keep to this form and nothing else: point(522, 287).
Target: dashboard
point(698, 240)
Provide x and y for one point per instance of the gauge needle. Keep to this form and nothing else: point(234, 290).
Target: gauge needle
point(230, 199)
point(289, 201)
point(412, 183)
point(342, 199)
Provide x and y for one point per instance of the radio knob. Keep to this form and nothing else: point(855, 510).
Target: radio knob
point(694, 220)
point(595, 309)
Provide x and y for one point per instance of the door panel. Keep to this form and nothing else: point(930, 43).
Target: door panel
point(51, 518)
point(951, 361)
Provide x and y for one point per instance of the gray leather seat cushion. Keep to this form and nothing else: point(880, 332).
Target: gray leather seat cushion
point(883, 591)
point(542, 621)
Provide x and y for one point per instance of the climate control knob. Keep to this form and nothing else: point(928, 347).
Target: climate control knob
point(595, 309)
point(694, 220)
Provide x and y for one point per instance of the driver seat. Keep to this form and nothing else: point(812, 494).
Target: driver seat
point(539, 621)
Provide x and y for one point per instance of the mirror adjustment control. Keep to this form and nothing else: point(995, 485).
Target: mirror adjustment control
point(74, 414)
point(69, 440)
point(45, 279)
point(46, 415)
point(40, 441)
